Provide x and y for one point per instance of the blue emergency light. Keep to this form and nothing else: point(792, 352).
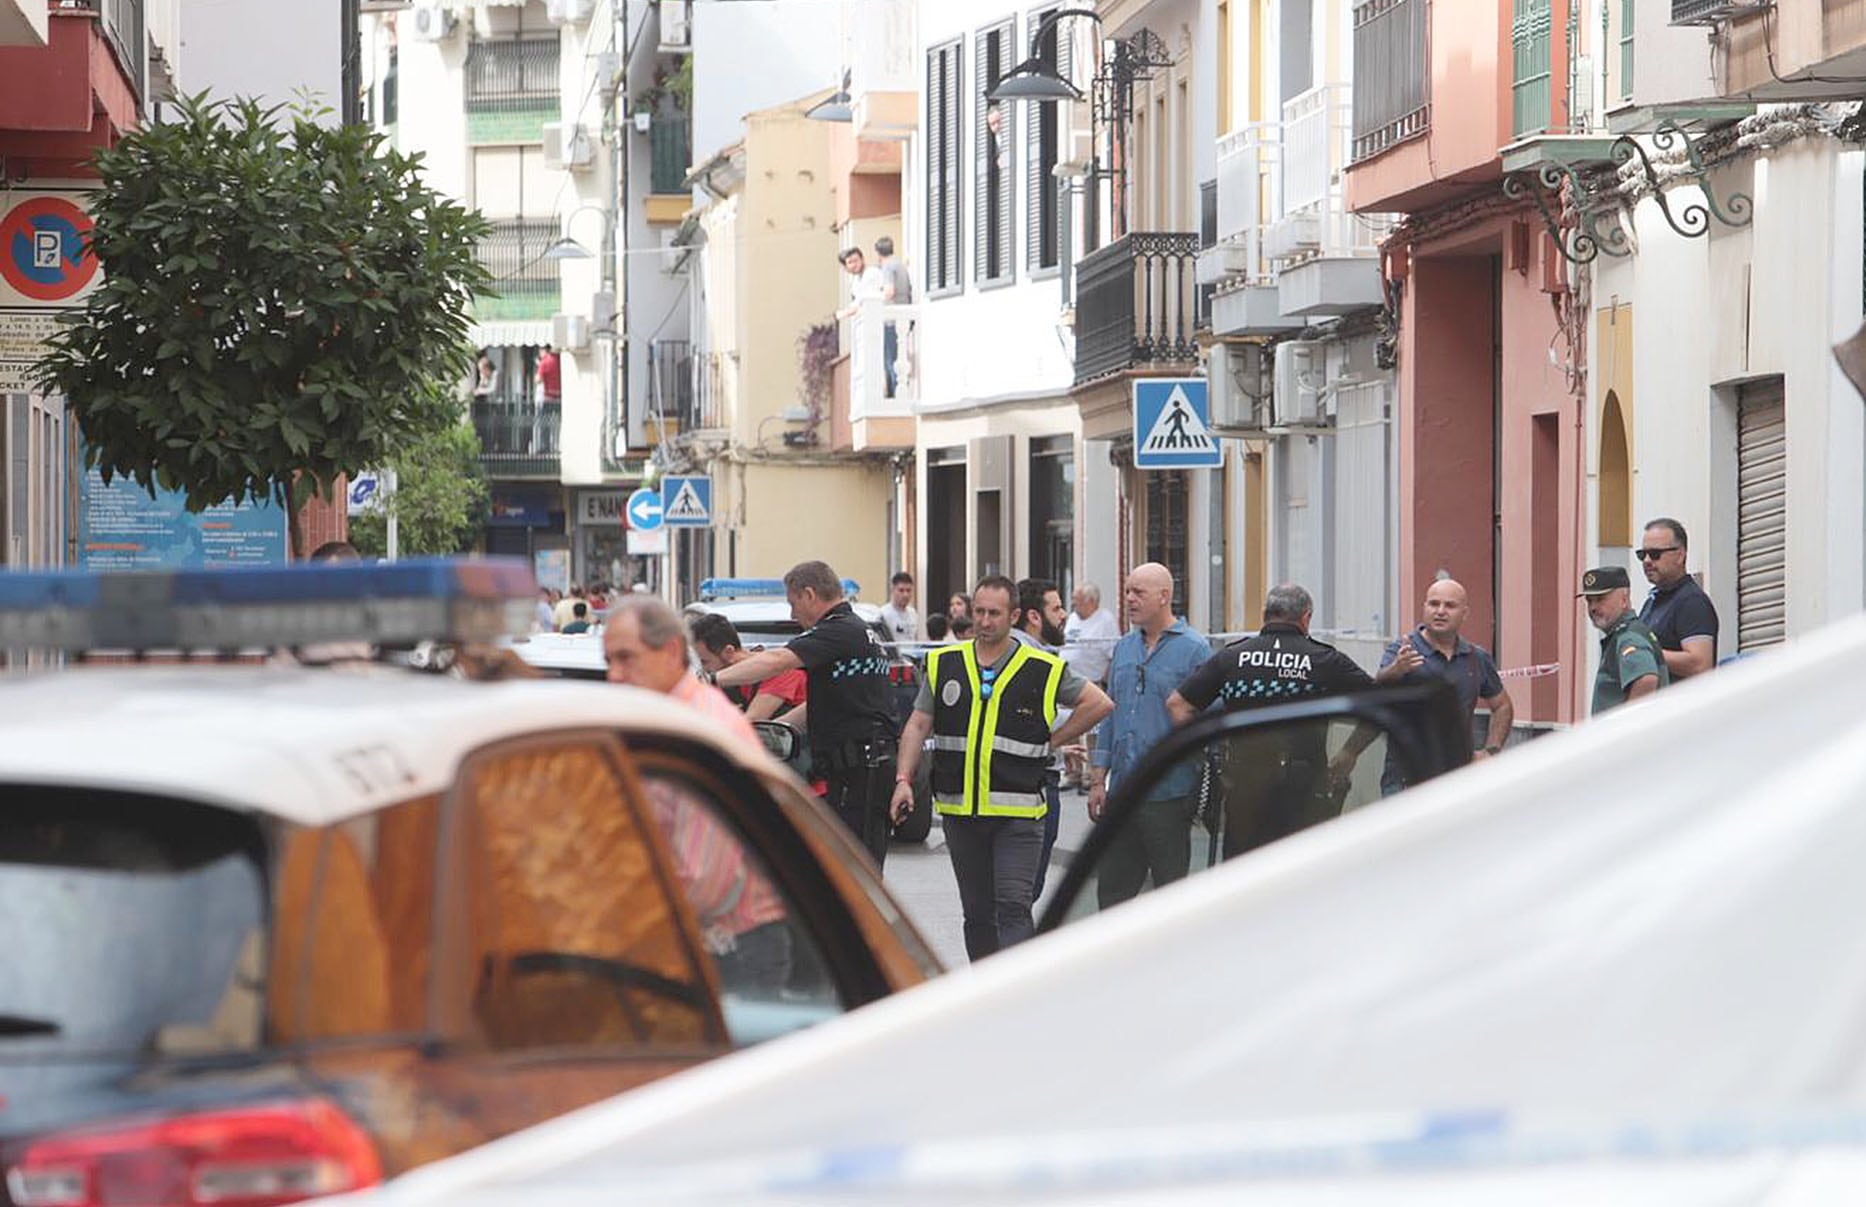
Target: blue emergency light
point(440, 599)
point(757, 588)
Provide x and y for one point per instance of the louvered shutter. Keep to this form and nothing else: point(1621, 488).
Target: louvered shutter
point(1043, 135)
point(994, 159)
point(943, 174)
point(1761, 516)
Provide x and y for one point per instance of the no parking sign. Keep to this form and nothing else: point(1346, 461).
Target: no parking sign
point(44, 257)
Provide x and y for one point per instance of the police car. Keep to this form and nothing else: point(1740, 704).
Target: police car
point(273, 932)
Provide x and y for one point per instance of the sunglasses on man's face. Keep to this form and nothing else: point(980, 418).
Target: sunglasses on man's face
point(1652, 555)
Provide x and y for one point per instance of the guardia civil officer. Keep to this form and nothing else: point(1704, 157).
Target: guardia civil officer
point(989, 705)
point(848, 717)
point(1282, 781)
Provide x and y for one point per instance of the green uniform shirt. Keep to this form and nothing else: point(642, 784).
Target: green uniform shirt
point(1628, 653)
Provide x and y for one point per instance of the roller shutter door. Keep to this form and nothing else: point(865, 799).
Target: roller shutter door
point(1761, 516)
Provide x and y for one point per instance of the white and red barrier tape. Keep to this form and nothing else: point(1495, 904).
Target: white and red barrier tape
point(1531, 672)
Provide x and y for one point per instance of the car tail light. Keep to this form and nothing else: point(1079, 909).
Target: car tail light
point(257, 1156)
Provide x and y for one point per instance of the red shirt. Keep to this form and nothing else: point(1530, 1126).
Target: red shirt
point(551, 375)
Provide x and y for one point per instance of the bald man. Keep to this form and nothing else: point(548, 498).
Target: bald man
point(1437, 649)
point(1157, 653)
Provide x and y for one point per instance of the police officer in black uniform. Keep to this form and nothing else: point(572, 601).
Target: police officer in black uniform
point(1281, 781)
point(849, 712)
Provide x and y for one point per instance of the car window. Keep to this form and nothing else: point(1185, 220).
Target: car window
point(770, 967)
point(1222, 798)
point(129, 923)
point(354, 925)
point(578, 934)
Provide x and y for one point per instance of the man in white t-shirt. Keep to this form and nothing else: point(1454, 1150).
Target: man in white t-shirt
point(864, 281)
point(1089, 634)
point(898, 614)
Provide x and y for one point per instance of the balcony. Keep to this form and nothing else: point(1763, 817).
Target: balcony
point(1392, 76)
point(670, 388)
point(527, 284)
point(511, 89)
point(1137, 305)
point(705, 407)
point(518, 439)
point(866, 414)
point(1801, 50)
point(1326, 256)
point(1244, 300)
point(884, 70)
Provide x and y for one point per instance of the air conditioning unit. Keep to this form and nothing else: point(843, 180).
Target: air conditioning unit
point(568, 12)
point(1235, 372)
point(676, 25)
point(432, 22)
point(570, 332)
point(568, 146)
point(1712, 12)
point(1296, 398)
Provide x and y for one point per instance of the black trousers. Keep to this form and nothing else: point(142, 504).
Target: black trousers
point(860, 796)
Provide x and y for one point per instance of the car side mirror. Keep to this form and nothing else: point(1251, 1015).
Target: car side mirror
point(780, 739)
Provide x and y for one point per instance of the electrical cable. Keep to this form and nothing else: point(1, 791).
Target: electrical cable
point(1768, 47)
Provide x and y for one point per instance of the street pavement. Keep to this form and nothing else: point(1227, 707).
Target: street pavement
point(920, 877)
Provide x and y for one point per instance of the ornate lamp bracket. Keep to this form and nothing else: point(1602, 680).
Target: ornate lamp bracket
point(1693, 221)
point(1558, 189)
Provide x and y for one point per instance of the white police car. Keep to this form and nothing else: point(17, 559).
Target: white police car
point(273, 932)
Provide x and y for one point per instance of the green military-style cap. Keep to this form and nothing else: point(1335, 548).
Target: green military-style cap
point(1602, 579)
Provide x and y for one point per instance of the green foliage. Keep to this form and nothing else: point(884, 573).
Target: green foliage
point(281, 302)
point(440, 499)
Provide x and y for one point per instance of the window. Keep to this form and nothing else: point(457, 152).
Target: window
point(944, 68)
point(512, 73)
point(552, 823)
point(391, 83)
point(1053, 510)
point(1530, 40)
point(354, 926)
point(1296, 59)
point(1168, 495)
point(512, 182)
point(1626, 50)
point(994, 175)
point(1043, 132)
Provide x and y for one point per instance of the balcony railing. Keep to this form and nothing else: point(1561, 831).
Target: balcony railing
point(1315, 221)
point(671, 139)
point(864, 336)
point(1248, 185)
point(512, 73)
point(1392, 79)
point(518, 438)
point(670, 380)
point(706, 406)
point(1137, 303)
point(526, 284)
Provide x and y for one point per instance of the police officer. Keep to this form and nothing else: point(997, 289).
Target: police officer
point(1632, 662)
point(989, 705)
point(848, 716)
point(1279, 782)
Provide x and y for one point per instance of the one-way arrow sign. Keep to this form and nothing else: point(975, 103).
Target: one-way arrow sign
point(644, 510)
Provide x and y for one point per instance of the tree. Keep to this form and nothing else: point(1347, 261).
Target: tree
point(281, 300)
point(440, 498)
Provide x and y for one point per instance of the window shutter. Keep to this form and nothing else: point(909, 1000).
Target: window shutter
point(1761, 516)
point(981, 162)
point(1043, 135)
point(994, 160)
point(943, 171)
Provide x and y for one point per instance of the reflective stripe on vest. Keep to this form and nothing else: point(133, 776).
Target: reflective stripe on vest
point(967, 744)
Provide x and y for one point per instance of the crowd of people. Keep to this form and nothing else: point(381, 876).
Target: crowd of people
point(1020, 698)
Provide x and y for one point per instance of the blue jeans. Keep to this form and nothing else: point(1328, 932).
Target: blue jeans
point(1052, 821)
point(890, 348)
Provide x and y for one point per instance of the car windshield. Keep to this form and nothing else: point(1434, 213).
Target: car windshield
point(132, 927)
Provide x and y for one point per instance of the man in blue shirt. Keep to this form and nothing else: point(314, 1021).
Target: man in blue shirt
point(1438, 649)
point(1678, 611)
point(1157, 653)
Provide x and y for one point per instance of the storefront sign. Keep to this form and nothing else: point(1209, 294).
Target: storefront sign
point(603, 508)
point(22, 342)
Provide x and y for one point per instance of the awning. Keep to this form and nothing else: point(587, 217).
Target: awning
point(514, 332)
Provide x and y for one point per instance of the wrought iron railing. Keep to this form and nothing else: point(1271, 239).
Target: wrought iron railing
point(513, 252)
point(512, 73)
point(1392, 78)
point(518, 438)
point(1137, 303)
point(705, 409)
point(670, 380)
point(671, 140)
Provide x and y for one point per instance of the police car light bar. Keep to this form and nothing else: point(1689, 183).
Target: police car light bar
point(757, 588)
point(441, 599)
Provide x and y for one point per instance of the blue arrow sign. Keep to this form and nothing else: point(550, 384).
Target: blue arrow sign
point(644, 510)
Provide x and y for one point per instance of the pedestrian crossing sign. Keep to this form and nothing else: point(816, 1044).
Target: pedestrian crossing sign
point(687, 502)
point(1173, 425)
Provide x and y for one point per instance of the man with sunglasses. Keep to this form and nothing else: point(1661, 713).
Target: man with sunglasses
point(989, 705)
point(1677, 611)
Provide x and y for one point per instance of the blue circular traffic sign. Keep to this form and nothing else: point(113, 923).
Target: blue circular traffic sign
point(644, 510)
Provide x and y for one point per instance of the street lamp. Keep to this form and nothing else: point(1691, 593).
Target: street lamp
point(1033, 79)
point(838, 106)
